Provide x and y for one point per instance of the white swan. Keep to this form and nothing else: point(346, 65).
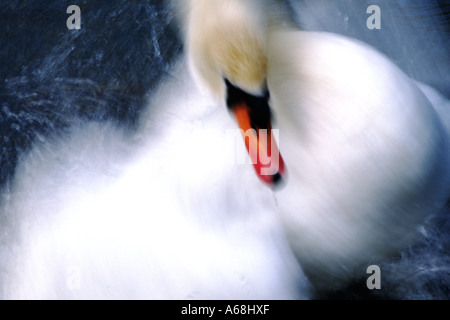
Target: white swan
point(84, 219)
point(367, 155)
point(102, 215)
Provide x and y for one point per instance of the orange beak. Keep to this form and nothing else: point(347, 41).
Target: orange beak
point(258, 135)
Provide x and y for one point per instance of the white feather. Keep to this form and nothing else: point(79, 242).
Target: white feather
point(367, 154)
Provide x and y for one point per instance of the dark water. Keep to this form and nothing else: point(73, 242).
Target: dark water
point(52, 78)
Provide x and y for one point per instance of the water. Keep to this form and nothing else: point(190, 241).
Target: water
point(53, 77)
point(84, 127)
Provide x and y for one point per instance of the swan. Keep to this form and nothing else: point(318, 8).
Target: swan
point(105, 214)
point(162, 213)
point(362, 158)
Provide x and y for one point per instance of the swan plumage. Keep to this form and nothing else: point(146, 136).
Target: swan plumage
point(102, 214)
point(368, 156)
point(370, 159)
point(164, 214)
point(230, 44)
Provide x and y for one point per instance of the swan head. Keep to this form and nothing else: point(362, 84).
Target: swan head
point(227, 53)
point(226, 39)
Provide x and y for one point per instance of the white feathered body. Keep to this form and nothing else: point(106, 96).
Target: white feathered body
point(100, 214)
point(367, 155)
